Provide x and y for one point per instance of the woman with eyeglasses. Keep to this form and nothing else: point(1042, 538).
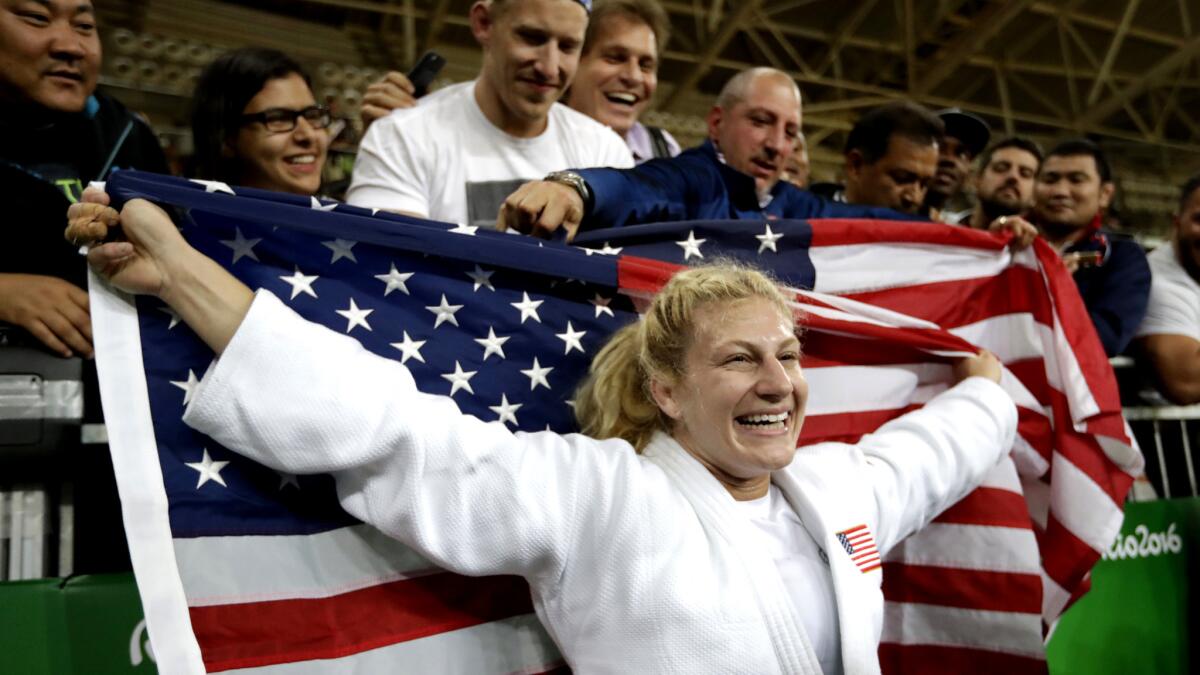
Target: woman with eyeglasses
point(256, 123)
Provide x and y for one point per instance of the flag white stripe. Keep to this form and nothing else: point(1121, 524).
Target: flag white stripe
point(892, 387)
point(854, 268)
point(913, 623)
point(225, 570)
point(139, 478)
point(1097, 524)
point(514, 645)
point(1054, 598)
point(973, 547)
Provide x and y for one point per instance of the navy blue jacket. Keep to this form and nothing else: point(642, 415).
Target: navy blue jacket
point(1117, 290)
point(696, 185)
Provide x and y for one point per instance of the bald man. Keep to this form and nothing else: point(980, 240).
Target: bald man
point(752, 131)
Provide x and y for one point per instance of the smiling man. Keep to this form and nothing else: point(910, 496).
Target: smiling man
point(460, 151)
point(1073, 189)
point(618, 72)
point(58, 135)
point(752, 132)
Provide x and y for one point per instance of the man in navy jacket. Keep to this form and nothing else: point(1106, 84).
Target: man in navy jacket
point(753, 129)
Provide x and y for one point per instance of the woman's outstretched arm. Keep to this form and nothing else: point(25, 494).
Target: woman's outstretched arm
point(152, 258)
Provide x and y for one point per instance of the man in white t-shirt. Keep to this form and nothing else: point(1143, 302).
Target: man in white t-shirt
point(461, 151)
point(1169, 336)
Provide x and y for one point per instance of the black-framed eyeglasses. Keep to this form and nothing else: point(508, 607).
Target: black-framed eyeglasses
point(284, 119)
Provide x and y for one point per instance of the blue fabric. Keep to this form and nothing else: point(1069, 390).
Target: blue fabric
point(696, 185)
point(1115, 292)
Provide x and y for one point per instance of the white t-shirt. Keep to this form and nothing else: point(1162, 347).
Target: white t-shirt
point(1174, 307)
point(804, 568)
point(443, 159)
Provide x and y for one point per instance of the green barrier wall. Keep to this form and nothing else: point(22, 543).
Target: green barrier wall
point(1142, 610)
point(88, 625)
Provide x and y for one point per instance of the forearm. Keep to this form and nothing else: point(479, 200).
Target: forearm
point(207, 297)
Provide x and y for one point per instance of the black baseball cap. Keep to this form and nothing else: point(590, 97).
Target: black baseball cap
point(971, 130)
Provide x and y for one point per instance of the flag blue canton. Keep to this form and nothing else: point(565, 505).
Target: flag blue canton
point(507, 337)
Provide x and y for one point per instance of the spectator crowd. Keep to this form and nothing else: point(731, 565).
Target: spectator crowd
point(548, 136)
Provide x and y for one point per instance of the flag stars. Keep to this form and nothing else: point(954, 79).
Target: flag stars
point(492, 344)
point(600, 303)
point(768, 240)
point(468, 230)
point(188, 386)
point(286, 479)
point(537, 375)
point(572, 338)
point(528, 308)
point(209, 470)
point(301, 283)
point(171, 313)
point(445, 312)
point(214, 186)
point(341, 249)
point(395, 280)
point(317, 205)
point(691, 246)
point(355, 316)
point(410, 349)
point(459, 379)
point(242, 247)
point(507, 411)
point(482, 278)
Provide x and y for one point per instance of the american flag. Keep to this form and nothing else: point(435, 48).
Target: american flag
point(860, 546)
point(240, 567)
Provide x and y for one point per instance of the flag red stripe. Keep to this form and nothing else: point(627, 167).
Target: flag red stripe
point(1066, 558)
point(844, 232)
point(281, 631)
point(847, 427)
point(872, 567)
point(940, 660)
point(989, 506)
point(962, 302)
point(965, 588)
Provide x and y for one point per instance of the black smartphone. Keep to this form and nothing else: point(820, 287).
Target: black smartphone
point(427, 68)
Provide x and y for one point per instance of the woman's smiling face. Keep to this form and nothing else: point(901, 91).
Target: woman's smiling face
point(739, 405)
point(286, 161)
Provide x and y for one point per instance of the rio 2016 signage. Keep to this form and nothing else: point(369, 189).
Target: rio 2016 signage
point(1140, 613)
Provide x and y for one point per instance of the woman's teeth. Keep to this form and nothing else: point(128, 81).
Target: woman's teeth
point(776, 421)
point(302, 159)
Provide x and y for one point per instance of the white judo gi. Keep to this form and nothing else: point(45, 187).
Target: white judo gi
point(637, 563)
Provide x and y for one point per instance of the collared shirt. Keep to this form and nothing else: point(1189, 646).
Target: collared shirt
point(642, 145)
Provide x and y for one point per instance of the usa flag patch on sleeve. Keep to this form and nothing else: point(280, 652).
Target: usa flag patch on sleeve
point(860, 546)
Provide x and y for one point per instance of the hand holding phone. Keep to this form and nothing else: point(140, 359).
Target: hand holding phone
point(424, 72)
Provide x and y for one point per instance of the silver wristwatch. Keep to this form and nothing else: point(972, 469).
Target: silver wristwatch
point(575, 182)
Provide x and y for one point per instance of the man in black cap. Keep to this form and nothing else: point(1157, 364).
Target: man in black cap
point(966, 136)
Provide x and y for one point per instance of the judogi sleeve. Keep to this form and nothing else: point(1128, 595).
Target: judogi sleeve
point(472, 496)
point(923, 462)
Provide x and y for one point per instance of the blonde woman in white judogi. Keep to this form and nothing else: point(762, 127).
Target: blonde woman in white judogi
point(695, 539)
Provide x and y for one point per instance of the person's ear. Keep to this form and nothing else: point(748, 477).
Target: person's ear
point(1106, 194)
point(854, 163)
point(664, 394)
point(714, 124)
point(481, 22)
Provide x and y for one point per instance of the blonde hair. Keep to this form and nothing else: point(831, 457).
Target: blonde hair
point(614, 401)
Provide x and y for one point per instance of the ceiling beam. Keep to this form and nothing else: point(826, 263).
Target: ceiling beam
point(732, 24)
point(839, 40)
point(1114, 48)
point(437, 19)
point(1179, 59)
point(984, 27)
point(945, 102)
point(1086, 19)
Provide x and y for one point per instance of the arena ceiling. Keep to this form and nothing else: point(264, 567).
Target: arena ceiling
point(1124, 72)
